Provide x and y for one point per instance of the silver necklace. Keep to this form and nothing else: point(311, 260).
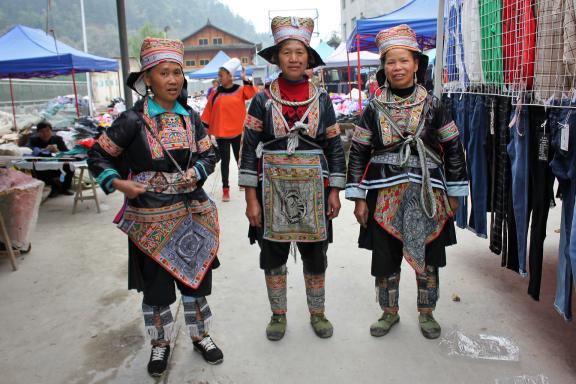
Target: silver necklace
point(280, 100)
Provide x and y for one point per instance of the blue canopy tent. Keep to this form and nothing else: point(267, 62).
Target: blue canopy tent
point(210, 71)
point(324, 50)
point(29, 52)
point(420, 15)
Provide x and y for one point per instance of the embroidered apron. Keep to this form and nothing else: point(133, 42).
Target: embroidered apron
point(184, 240)
point(293, 196)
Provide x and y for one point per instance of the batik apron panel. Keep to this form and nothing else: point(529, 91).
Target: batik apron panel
point(184, 240)
point(293, 196)
point(399, 212)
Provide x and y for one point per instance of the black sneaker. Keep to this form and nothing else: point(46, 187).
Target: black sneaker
point(211, 353)
point(158, 360)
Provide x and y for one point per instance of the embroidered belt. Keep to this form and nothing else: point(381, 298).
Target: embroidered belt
point(169, 183)
point(393, 158)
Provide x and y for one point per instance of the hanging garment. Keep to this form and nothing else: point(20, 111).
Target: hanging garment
point(519, 42)
point(472, 40)
point(541, 194)
point(491, 32)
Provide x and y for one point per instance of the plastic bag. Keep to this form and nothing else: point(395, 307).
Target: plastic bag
point(524, 379)
point(480, 346)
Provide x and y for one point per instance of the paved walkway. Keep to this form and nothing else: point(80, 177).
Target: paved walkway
point(67, 317)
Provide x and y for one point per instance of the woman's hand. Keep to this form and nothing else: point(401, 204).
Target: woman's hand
point(361, 212)
point(454, 203)
point(130, 189)
point(253, 209)
point(191, 177)
point(333, 204)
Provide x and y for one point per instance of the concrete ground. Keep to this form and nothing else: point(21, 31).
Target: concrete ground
point(67, 316)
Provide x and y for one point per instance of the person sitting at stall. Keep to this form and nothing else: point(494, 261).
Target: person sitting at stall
point(45, 143)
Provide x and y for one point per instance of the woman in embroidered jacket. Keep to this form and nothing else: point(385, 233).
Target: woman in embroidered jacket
point(405, 171)
point(159, 155)
point(293, 167)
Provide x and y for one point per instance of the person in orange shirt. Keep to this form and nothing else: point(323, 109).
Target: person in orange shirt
point(224, 116)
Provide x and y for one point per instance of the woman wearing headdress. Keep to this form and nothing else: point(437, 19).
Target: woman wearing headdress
point(293, 167)
point(159, 155)
point(406, 169)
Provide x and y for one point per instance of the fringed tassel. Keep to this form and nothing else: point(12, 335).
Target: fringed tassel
point(158, 323)
point(198, 323)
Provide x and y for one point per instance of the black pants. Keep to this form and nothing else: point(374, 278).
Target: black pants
point(541, 195)
point(224, 151)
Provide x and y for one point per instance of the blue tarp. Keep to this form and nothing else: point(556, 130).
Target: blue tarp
point(29, 52)
point(421, 15)
point(324, 50)
point(210, 71)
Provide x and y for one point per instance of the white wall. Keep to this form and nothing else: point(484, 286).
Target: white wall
point(350, 9)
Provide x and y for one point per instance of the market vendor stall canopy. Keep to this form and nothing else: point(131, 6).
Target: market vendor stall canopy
point(29, 52)
point(340, 58)
point(210, 71)
point(420, 15)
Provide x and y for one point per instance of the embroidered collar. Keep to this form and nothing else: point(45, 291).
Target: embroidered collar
point(154, 109)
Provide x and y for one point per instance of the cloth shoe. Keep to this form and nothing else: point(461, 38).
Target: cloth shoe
point(429, 326)
point(209, 350)
point(384, 324)
point(226, 194)
point(322, 326)
point(158, 360)
point(276, 328)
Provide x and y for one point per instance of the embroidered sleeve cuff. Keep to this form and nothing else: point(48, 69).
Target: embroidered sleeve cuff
point(337, 180)
point(457, 188)
point(448, 132)
point(106, 178)
point(109, 146)
point(200, 171)
point(354, 193)
point(246, 179)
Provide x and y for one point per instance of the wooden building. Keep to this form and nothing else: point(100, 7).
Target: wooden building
point(201, 46)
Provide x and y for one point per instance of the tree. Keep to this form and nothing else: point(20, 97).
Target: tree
point(135, 41)
point(335, 40)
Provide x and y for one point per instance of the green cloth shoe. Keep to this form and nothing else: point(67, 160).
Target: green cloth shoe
point(384, 324)
point(322, 326)
point(429, 326)
point(276, 328)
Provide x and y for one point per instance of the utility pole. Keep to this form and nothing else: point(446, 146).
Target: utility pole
point(121, 10)
point(88, 77)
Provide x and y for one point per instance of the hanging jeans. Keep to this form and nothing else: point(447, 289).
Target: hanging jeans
point(564, 167)
point(541, 194)
point(460, 116)
point(519, 153)
point(477, 163)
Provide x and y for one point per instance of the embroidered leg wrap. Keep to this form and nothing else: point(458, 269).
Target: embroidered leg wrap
point(315, 293)
point(276, 286)
point(428, 292)
point(158, 323)
point(388, 292)
point(197, 316)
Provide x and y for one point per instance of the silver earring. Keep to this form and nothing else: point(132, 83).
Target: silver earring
point(415, 78)
point(149, 92)
point(386, 84)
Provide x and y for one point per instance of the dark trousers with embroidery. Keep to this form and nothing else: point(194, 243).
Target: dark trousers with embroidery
point(388, 290)
point(224, 152)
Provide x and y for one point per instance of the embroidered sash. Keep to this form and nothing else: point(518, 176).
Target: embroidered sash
point(293, 196)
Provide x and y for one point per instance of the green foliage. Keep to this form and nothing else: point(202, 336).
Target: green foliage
point(135, 40)
point(182, 17)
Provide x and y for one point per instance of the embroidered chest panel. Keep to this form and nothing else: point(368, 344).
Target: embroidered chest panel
point(407, 119)
point(172, 130)
point(279, 122)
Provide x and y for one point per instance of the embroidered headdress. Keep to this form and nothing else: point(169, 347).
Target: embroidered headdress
point(400, 36)
point(153, 52)
point(296, 28)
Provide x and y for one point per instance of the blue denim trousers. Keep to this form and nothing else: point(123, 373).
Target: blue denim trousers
point(564, 168)
point(460, 115)
point(519, 153)
point(477, 163)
